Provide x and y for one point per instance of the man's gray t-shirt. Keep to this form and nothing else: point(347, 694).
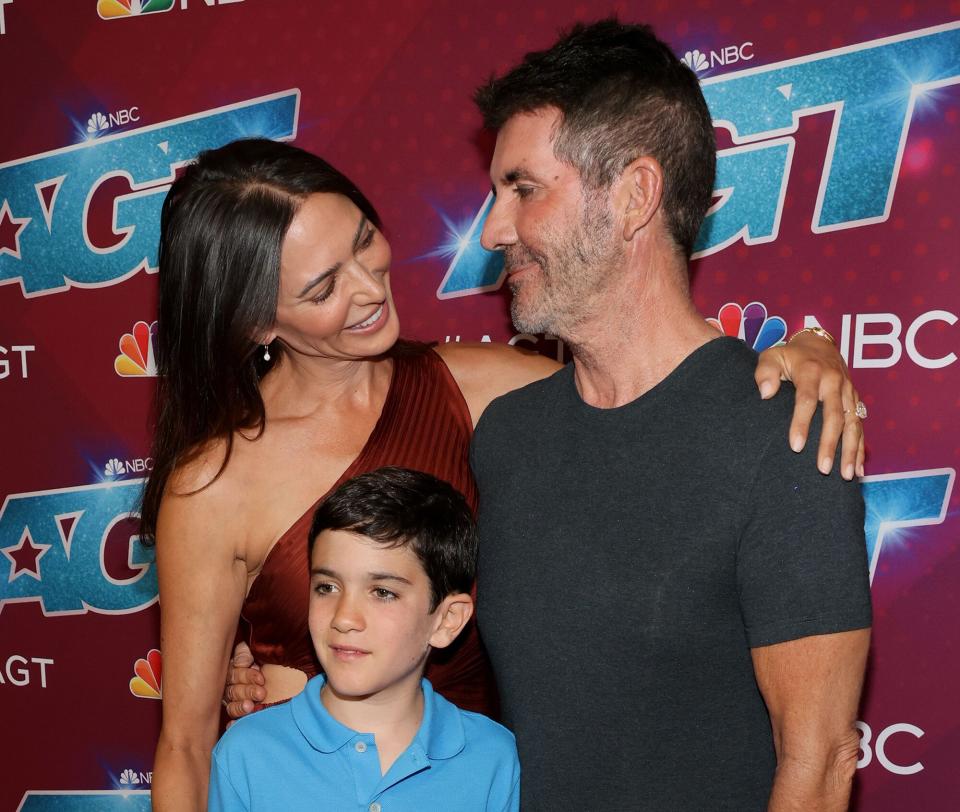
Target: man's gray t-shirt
point(629, 560)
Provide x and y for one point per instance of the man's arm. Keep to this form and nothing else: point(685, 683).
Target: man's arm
point(812, 689)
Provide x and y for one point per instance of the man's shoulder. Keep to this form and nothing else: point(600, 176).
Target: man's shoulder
point(726, 381)
point(522, 405)
point(530, 393)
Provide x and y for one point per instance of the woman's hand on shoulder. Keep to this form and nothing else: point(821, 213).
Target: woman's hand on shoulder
point(819, 374)
point(484, 371)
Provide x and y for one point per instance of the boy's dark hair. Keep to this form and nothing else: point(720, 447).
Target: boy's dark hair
point(401, 507)
point(622, 93)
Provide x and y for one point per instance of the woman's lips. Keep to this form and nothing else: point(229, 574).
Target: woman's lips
point(373, 322)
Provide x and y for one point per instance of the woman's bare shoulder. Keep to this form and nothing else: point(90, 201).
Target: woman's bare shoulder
point(486, 371)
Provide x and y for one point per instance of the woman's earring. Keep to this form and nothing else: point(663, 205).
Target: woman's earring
point(266, 352)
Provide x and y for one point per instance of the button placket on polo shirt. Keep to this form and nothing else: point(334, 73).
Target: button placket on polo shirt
point(361, 754)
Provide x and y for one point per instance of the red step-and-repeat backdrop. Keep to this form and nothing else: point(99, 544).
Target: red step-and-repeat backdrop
point(837, 128)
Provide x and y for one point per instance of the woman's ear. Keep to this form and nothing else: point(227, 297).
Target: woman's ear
point(452, 615)
point(639, 194)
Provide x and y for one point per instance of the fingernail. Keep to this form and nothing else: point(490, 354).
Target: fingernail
point(766, 389)
point(825, 465)
point(860, 470)
point(796, 443)
point(848, 471)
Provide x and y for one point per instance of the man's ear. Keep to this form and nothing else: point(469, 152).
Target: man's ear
point(452, 615)
point(639, 194)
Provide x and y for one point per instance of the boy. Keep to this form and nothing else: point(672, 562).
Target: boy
point(392, 559)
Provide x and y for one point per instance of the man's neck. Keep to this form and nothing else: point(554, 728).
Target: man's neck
point(636, 337)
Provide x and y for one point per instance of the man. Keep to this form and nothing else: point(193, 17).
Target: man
point(676, 605)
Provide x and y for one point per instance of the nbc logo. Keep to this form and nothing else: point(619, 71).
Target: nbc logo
point(97, 123)
point(112, 9)
point(128, 776)
point(750, 324)
point(148, 682)
point(113, 468)
point(695, 60)
point(136, 352)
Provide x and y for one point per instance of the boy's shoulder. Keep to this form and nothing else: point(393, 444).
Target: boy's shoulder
point(254, 732)
point(477, 727)
point(481, 735)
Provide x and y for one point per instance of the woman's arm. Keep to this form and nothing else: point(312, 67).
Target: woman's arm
point(485, 371)
point(203, 580)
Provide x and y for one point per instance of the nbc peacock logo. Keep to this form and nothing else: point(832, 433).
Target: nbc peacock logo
point(750, 324)
point(147, 682)
point(696, 60)
point(136, 356)
point(113, 468)
point(97, 123)
point(114, 9)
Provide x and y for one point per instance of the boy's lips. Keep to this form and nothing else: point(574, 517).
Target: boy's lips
point(348, 653)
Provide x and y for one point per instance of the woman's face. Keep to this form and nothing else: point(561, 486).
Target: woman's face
point(334, 298)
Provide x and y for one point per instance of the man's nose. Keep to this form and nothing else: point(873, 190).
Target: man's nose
point(498, 230)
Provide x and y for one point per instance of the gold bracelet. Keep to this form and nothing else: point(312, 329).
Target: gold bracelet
point(817, 331)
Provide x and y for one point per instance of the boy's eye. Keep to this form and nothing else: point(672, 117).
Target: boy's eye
point(384, 594)
point(324, 588)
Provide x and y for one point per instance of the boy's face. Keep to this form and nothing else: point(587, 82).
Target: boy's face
point(370, 618)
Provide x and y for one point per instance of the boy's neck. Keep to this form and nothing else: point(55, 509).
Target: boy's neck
point(393, 716)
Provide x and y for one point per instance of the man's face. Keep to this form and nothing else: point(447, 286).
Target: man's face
point(557, 238)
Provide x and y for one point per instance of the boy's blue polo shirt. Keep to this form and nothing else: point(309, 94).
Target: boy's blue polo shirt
point(296, 756)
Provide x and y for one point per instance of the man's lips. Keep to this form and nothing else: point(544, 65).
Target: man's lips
point(513, 270)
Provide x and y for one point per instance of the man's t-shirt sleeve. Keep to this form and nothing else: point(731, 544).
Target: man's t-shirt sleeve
point(802, 559)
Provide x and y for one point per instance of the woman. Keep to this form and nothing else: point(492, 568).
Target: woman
point(280, 376)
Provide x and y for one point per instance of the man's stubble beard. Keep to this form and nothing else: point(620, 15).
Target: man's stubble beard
point(572, 273)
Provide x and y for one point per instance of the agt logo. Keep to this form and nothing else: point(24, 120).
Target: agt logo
point(118, 9)
point(22, 350)
point(698, 61)
point(147, 682)
point(98, 123)
point(48, 202)
point(76, 550)
point(3, 20)
point(876, 86)
point(21, 671)
point(136, 358)
point(103, 800)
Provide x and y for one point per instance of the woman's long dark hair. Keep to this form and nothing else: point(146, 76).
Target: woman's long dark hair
point(221, 232)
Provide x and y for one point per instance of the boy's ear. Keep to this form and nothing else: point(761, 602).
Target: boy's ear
point(452, 615)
